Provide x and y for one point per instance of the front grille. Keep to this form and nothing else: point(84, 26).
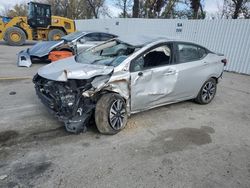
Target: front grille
point(45, 100)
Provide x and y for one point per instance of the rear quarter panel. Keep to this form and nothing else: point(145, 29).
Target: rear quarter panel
point(192, 75)
point(215, 67)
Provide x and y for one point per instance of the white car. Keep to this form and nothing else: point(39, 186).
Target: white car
point(124, 76)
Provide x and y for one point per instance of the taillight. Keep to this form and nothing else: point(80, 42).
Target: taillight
point(224, 61)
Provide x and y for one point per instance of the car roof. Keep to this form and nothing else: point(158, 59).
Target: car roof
point(77, 34)
point(140, 40)
point(88, 32)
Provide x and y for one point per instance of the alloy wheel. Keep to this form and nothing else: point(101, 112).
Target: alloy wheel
point(117, 114)
point(208, 91)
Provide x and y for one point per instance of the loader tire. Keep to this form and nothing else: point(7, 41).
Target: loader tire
point(55, 34)
point(15, 36)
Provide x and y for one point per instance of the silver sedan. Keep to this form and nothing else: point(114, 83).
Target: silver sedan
point(124, 76)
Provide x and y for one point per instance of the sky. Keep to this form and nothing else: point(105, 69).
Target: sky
point(211, 6)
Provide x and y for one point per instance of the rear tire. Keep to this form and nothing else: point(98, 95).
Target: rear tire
point(55, 34)
point(110, 114)
point(207, 92)
point(15, 36)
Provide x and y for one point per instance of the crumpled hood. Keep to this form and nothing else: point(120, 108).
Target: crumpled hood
point(41, 49)
point(68, 68)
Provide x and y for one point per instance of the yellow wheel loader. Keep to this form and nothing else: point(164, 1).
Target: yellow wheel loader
point(39, 25)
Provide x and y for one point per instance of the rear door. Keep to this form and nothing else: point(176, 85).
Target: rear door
point(193, 64)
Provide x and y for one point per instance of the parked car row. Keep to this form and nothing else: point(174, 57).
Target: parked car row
point(110, 78)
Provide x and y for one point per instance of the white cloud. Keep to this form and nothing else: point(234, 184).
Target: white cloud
point(212, 6)
point(113, 10)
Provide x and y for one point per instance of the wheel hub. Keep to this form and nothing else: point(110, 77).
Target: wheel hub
point(208, 91)
point(56, 37)
point(15, 36)
point(117, 114)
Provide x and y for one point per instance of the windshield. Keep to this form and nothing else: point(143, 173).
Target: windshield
point(111, 53)
point(73, 36)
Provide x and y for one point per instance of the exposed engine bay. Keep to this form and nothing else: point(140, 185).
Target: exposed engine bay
point(65, 100)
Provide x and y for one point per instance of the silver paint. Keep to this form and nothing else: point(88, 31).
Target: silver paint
point(41, 49)
point(156, 87)
point(68, 68)
point(23, 59)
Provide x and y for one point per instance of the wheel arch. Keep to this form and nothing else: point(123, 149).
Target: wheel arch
point(99, 94)
point(215, 78)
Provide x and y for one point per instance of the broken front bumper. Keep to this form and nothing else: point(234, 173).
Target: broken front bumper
point(23, 59)
point(75, 117)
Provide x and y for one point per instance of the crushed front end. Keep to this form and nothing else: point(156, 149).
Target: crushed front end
point(66, 102)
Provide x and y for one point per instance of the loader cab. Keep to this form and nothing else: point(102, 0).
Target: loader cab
point(39, 15)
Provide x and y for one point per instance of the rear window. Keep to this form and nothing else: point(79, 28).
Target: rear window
point(105, 36)
point(92, 37)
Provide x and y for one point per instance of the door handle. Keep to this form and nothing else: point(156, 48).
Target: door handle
point(169, 72)
point(205, 63)
point(140, 73)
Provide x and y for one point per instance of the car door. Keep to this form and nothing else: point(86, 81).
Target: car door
point(153, 78)
point(192, 65)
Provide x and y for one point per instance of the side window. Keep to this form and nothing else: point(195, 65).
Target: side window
point(189, 52)
point(47, 12)
point(158, 56)
point(105, 36)
point(92, 37)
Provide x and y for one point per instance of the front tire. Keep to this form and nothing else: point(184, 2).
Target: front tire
point(207, 92)
point(111, 114)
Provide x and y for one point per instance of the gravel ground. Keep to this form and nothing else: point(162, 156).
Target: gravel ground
point(179, 145)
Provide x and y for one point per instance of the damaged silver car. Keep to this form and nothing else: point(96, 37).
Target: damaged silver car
point(123, 76)
point(73, 42)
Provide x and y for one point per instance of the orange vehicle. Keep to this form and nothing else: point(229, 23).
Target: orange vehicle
point(57, 55)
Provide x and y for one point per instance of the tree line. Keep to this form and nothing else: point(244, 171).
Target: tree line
point(86, 9)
